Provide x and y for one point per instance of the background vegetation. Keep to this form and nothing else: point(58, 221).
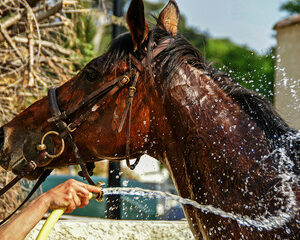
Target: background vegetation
point(252, 70)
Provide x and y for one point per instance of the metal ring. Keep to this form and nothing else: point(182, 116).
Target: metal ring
point(62, 144)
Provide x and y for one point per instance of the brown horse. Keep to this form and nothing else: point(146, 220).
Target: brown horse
point(223, 145)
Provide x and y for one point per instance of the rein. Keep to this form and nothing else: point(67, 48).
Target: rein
point(41, 179)
point(10, 185)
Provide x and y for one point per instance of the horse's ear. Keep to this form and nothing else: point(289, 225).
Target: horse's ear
point(137, 23)
point(169, 18)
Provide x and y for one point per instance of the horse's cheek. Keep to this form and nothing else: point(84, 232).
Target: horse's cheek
point(140, 127)
point(118, 112)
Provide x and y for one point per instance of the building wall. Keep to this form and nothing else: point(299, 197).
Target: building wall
point(94, 229)
point(287, 89)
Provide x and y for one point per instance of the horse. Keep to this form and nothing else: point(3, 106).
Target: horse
point(223, 145)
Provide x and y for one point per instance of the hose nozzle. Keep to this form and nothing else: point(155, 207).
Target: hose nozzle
point(98, 196)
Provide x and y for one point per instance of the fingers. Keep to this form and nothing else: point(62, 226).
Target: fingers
point(74, 201)
point(93, 189)
point(80, 186)
point(81, 190)
point(71, 194)
point(79, 193)
point(84, 202)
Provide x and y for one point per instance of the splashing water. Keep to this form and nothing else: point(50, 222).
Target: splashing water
point(259, 222)
point(263, 222)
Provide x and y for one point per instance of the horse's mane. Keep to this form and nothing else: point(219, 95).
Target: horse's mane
point(179, 52)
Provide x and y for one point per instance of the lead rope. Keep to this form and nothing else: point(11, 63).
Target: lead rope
point(42, 178)
point(10, 185)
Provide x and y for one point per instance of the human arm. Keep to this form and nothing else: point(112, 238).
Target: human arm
point(70, 194)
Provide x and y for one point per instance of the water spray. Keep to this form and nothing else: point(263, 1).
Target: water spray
point(275, 221)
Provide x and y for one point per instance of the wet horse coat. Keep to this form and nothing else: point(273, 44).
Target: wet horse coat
point(222, 144)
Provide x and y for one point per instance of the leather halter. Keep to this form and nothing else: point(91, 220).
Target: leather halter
point(95, 98)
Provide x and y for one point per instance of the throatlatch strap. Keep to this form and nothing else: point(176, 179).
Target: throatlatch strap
point(42, 178)
point(10, 185)
point(127, 113)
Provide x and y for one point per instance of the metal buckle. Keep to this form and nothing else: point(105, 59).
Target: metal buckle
point(133, 89)
point(70, 129)
point(125, 77)
point(123, 81)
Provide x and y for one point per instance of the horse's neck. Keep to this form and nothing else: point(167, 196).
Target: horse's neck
point(221, 147)
point(208, 120)
point(217, 155)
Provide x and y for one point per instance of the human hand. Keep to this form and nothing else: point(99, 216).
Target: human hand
point(70, 195)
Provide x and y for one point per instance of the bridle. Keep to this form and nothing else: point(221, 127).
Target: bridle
point(94, 101)
point(65, 129)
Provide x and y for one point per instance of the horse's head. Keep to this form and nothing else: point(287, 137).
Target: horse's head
point(94, 103)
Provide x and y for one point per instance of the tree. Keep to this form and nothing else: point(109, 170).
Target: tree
point(292, 6)
point(251, 70)
point(192, 34)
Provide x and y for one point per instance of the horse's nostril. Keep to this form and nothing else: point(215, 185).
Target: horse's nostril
point(1, 138)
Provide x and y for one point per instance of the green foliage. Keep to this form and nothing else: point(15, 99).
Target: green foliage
point(106, 40)
point(192, 34)
point(251, 70)
point(153, 7)
point(85, 29)
point(292, 6)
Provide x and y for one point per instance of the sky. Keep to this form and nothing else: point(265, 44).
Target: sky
point(245, 22)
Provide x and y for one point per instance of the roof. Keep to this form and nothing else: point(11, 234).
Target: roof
point(293, 20)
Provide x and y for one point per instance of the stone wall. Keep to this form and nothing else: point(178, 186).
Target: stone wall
point(98, 229)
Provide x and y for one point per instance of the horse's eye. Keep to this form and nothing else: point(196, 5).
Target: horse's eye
point(91, 75)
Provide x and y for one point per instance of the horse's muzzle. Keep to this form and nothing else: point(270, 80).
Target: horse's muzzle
point(34, 159)
point(17, 160)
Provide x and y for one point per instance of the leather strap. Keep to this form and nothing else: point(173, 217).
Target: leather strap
point(103, 92)
point(62, 126)
point(113, 89)
point(57, 115)
point(10, 185)
point(131, 93)
point(42, 178)
point(136, 63)
point(55, 111)
point(128, 109)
